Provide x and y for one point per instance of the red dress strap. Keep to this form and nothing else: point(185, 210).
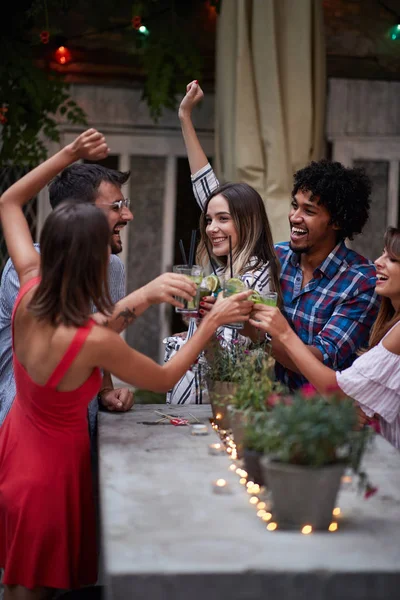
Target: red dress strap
point(72, 351)
point(24, 290)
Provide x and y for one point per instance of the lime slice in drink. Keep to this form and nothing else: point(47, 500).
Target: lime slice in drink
point(256, 298)
point(212, 283)
point(235, 285)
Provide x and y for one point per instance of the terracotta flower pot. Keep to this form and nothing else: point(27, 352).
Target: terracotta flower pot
point(302, 495)
point(220, 396)
point(237, 422)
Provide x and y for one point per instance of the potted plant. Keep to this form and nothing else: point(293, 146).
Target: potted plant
point(224, 371)
point(256, 383)
point(308, 440)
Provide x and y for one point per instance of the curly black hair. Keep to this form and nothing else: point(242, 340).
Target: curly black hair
point(345, 193)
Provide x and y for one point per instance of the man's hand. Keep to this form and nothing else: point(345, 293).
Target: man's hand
point(120, 399)
point(194, 94)
point(168, 285)
point(90, 145)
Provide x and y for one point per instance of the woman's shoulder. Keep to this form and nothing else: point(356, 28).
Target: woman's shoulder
point(391, 341)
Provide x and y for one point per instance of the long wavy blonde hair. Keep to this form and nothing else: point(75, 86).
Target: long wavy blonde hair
point(387, 315)
point(255, 247)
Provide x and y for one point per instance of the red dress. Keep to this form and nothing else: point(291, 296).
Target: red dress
point(47, 511)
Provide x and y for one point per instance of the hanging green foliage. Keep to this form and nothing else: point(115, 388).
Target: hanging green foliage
point(33, 99)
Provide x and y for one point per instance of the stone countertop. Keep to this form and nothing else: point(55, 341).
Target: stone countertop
point(163, 527)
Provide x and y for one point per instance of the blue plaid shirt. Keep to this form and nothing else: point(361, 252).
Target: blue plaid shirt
point(334, 312)
point(8, 294)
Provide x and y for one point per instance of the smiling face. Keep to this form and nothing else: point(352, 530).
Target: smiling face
point(388, 277)
point(220, 225)
point(311, 230)
point(107, 195)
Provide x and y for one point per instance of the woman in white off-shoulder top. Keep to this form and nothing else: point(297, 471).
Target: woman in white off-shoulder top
point(373, 380)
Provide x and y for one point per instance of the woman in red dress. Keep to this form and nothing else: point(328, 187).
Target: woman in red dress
point(47, 525)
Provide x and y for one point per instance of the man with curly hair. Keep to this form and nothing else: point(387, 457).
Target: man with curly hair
point(328, 289)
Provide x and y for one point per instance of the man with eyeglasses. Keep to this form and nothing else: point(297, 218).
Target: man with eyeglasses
point(101, 186)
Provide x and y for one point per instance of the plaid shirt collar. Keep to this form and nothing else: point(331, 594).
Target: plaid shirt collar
point(330, 265)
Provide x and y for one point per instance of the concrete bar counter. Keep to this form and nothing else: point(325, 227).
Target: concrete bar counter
point(166, 534)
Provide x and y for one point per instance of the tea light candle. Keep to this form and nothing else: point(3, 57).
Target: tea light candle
point(199, 429)
point(216, 449)
point(221, 486)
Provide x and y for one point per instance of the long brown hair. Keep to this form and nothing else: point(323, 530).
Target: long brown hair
point(254, 233)
point(74, 247)
point(387, 315)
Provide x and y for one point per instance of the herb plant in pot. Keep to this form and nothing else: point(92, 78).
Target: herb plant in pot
point(308, 441)
point(256, 384)
point(224, 371)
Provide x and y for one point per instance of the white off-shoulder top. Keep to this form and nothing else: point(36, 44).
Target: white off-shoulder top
point(373, 380)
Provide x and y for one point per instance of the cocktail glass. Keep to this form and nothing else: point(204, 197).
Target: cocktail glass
point(231, 286)
point(267, 298)
point(195, 273)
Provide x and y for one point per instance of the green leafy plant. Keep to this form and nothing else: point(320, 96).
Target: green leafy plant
point(257, 381)
point(313, 430)
point(234, 362)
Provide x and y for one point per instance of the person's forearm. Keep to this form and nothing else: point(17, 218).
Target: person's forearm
point(280, 354)
point(30, 185)
point(187, 355)
point(303, 359)
point(196, 156)
point(107, 383)
point(125, 311)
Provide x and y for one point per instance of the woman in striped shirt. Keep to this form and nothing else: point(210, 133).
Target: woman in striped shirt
point(234, 210)
point(373, 380)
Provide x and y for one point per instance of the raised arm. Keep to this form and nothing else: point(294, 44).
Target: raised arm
point(91, 145)
point(204, 180)
point(196, 155)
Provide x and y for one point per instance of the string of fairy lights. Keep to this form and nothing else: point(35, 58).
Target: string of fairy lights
point(259, 497)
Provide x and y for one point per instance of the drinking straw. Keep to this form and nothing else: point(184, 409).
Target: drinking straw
point(211, 261)
point(183, 252)
point(192, 246)
point(230, 255)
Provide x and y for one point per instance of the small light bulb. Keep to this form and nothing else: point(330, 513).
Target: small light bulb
point(244, 473)
point(238, 471)
point(220, 482)
point(253, 500)
point(306, 529)
point(333, 526)
point(336, 511)
point(242, 481)
point(261, 513)
point(261, 505)
point(218, 416)
point(232, 467)
point(272, 526)
point(250, 483)
point(267, 517)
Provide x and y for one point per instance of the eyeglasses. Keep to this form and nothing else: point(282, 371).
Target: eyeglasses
point(120, 204)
